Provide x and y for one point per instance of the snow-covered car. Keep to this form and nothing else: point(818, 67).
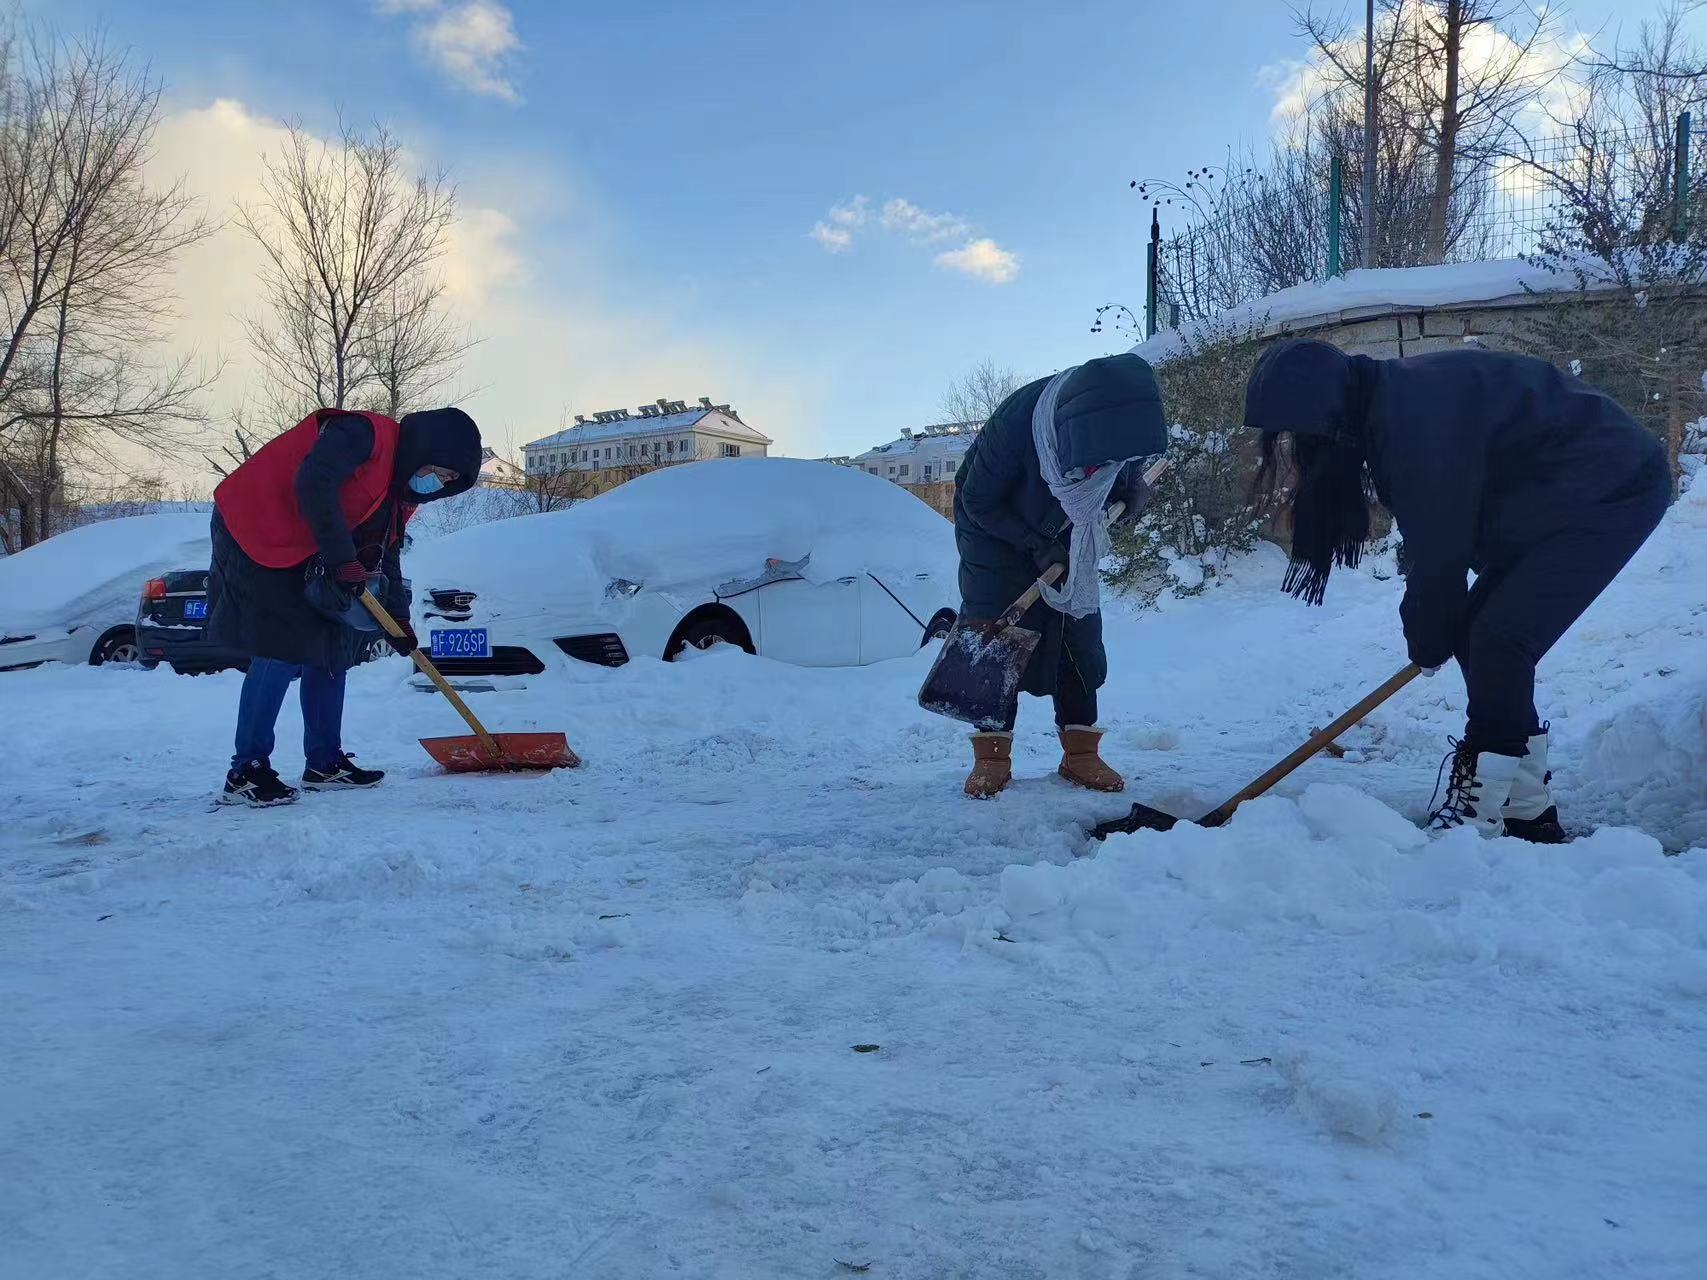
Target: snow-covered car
point(804, 562)
point(73, 598)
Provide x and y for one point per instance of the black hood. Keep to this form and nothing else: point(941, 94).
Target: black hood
point(1306, 387)
point(1109, 410)
point(436, 438)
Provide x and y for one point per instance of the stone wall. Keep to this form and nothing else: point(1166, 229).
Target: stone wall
point(1390, 332)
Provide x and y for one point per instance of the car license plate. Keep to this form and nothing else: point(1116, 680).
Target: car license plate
point(462, 642)
point(195, 608)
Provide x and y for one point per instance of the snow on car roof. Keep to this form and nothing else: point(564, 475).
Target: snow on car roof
point(89, 571)
point(701, 524)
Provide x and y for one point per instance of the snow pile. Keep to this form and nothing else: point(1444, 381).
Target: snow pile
point(1365, 292)
point(1339, 864)
point(86, 572)
point(603, 1022)
point(696, 524)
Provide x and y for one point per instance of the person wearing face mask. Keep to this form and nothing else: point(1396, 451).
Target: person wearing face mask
point(1031, 494)
point(299, 530)
point(1495, 464)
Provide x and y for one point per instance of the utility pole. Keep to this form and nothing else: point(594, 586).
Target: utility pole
point(1369, 133)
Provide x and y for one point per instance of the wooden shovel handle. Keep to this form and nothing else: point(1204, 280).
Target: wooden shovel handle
point(1386, 689)
point(1052, 574)
point(431, 672)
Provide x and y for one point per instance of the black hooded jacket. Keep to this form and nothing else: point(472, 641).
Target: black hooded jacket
point(262, 612)
point(1108, 409)
point(1478, 454)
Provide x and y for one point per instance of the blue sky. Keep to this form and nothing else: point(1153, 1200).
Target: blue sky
point(643, 179)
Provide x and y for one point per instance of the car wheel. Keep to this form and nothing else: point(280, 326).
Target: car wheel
point(706, 630)
point(941, 623)
point(118, 648)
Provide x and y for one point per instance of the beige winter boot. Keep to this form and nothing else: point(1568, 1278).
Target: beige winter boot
point(994, 768)
point(1080, 763)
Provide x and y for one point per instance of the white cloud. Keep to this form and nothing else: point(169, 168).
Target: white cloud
point(922, 225)
point(851, 214)
point(836, 232)
point(982, 259)
point(833, 239)
point(472, 41)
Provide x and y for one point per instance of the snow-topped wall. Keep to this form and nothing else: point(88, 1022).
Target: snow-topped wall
point(1387, 312)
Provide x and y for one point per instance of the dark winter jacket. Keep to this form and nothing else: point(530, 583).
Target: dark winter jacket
point(261, 611)
point(1004, 514)
point(1478, 454)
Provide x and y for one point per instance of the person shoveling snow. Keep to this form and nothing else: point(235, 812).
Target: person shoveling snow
point(1491, 463)
point(299, 530)
point(1029, 496)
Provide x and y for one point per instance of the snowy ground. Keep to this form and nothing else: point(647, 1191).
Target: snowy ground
point(601, 1023)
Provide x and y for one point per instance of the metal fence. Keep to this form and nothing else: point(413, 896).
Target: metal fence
point(1310, 226)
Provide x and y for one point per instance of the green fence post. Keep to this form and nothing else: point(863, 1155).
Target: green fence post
point(1336, 182)
point(1151, 267)
point(1680, 180)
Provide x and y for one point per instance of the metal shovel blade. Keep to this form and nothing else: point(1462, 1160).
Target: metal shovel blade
point(1141, 818)
point(976, 676)
point(467, 754)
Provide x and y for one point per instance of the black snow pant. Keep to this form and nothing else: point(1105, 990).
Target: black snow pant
point(1518, 610)
point(1075, 697)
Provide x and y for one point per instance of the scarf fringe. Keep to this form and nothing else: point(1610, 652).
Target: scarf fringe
point(1307, 580)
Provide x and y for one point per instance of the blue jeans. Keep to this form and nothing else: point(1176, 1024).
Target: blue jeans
point(264, 689)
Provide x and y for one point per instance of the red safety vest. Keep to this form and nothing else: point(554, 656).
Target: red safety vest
point(258, 500)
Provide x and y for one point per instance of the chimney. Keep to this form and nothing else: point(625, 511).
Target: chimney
point(705, 403)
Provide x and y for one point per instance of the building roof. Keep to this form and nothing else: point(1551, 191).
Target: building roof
point(945, 437)
point(648, 424)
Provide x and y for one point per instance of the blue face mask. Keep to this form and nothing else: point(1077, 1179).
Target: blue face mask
point(426, 485)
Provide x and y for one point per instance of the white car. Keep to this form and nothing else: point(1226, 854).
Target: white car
point(804, 562)
point(73, 597)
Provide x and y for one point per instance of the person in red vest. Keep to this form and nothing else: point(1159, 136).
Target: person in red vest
point(298, 530)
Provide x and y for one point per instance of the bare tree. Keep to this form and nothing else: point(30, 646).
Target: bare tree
point(1437, 102)
point(86, 246)
point(352, 244)
point(250, 428)
point(1633, 246)
point(412, 347)
point(564, 487)
point(976, 394)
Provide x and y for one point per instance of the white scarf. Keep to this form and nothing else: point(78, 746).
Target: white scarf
point(1079, 594)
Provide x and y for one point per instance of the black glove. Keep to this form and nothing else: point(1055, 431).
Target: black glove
point(1049, 553)
point(1134, 491)
point(405, 644)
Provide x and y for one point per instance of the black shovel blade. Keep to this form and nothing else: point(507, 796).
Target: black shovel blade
point(1141, 818)
point(976, 676)
point(1144, 818)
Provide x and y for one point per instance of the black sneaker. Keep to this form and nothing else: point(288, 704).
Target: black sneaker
point(344, 775)
point(257, 786)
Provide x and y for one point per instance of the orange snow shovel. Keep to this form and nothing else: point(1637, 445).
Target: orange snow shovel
point(482, 752)
point(1144, 818)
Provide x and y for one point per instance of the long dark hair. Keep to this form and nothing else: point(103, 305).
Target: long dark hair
point(1326, 503)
